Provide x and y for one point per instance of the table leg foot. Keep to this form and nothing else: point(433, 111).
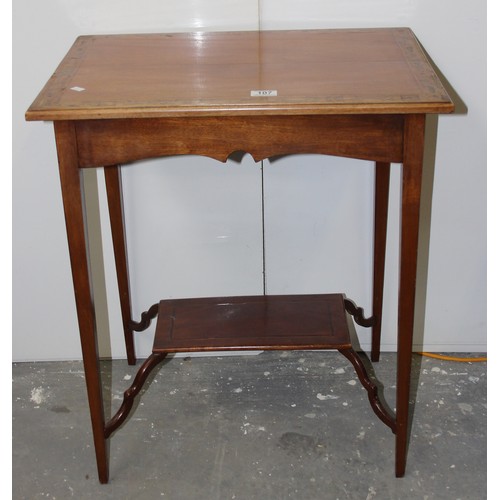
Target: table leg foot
point(401, 452)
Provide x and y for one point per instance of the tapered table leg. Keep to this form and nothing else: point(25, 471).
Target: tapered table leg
point(71, 186)
point(115, 207)
point(382, 176)
point(410, 207)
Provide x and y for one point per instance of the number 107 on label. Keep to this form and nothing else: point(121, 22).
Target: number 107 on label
point(259, 93)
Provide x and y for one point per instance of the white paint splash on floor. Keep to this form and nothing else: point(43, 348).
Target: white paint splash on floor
point(323, 397)
point(249, 428)
point(38, 395)
point(465, 408)
point(371, 493)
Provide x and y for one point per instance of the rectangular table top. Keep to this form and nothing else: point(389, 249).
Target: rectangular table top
point(242, 73)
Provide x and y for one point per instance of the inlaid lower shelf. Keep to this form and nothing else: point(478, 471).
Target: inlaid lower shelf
point(253, 322)
point(280, 322)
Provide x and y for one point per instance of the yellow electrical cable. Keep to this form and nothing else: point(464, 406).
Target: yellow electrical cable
point(451, 358)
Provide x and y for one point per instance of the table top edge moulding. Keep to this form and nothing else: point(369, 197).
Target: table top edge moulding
point(358, 93)
point(242, 73)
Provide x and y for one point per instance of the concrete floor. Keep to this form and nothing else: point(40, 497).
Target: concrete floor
point(278, 425)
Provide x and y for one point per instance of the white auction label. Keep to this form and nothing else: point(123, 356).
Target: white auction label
point(260, 93)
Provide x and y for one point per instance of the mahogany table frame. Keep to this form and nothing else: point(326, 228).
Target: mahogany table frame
point(382, 134)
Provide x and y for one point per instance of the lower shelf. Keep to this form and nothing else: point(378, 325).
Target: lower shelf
point(253, 322)
point(280, 322)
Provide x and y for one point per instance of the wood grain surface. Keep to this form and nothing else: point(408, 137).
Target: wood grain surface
point(312, 72)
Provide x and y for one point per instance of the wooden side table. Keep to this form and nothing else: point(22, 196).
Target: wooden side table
point(360, 93)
